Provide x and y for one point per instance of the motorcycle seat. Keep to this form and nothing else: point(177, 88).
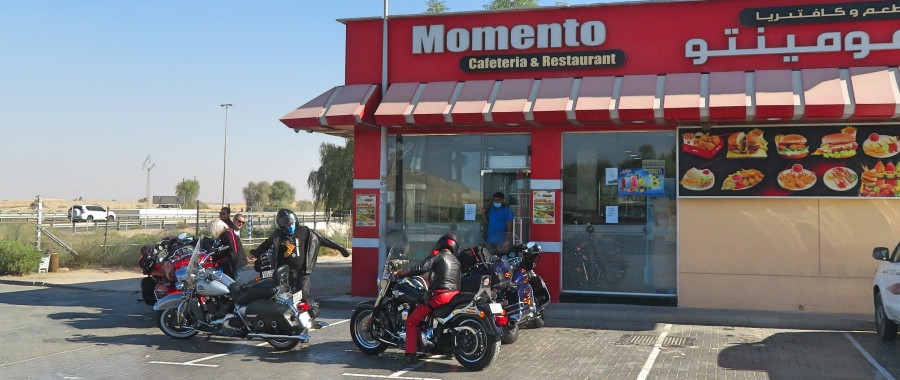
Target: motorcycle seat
point(243, 294)
point(459, 300)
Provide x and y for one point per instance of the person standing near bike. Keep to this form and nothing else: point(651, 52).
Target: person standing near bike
point(499, 218)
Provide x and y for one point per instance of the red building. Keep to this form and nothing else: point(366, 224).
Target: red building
point(619, 116)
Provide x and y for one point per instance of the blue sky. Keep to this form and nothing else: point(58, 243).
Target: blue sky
point(90, 88)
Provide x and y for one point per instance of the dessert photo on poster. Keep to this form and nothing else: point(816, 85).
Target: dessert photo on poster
point(796, 161)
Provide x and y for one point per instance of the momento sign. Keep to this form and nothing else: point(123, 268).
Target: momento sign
point(807, 161)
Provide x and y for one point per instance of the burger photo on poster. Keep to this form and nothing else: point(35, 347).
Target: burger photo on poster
point(837, 145)
point(792, 146)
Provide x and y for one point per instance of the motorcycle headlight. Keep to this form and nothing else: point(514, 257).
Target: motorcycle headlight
point(179, 285)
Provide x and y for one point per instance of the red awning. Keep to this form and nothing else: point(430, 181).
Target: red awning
point(875, 92)
point(513, 100)
point(595, 100)
point(433, 107)
point(637, 99)
point(396, 107)
point(682, 100)
point(774, 96)
point(339, 108)
point(553, 101)
point(472, 103)
point(867, 93)
point(825, 95)
point(727, 97)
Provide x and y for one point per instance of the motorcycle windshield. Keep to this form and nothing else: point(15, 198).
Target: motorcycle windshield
point(397, 257)
point(193, 266)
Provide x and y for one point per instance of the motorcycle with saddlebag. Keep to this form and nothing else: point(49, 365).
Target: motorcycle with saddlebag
point(466, 327)
point(213, 303)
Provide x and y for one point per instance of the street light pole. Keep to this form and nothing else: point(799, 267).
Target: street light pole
point(224, 150)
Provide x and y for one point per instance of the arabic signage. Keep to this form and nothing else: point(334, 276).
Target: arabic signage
point(644, 181)
point(805, 161)
point(819, 13)
point(594, 40)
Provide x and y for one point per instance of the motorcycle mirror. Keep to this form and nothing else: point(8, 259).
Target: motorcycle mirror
point(531, 245)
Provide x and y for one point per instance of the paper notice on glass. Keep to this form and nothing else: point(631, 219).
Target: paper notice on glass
point(612, 214)
point(612, 176)
point(469, 211)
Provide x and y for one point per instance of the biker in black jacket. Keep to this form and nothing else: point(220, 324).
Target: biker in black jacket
point(296, 246)
point(444, 268)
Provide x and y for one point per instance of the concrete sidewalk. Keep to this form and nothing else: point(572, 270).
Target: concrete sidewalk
point(331, 287)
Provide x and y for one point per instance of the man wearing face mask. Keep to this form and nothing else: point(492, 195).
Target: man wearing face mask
point(499, 219)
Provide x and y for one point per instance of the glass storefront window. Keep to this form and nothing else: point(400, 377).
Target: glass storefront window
point(440, 183)
point(614, 240)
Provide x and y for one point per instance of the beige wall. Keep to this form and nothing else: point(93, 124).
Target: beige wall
point(782, 253)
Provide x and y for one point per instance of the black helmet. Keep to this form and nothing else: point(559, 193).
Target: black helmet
point(286, 221)
point(448, 242)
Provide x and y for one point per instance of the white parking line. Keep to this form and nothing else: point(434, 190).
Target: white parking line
point(391, 376)
point(653, 354)
point(884, 372)
point(194, 362)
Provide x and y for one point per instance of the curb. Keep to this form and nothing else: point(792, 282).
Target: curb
point(83, 286)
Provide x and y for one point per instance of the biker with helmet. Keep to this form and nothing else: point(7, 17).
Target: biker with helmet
point(445, 278)
point(296, 246)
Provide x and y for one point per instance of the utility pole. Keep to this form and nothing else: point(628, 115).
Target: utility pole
point(148, 165)
point(224, 150)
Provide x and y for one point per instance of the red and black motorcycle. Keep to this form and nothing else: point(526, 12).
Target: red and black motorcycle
point(159, 262)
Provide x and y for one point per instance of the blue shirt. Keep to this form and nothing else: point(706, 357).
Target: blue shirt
point(497, 219)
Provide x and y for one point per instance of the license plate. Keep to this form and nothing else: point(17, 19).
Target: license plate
point(267, 273)
point(496, 308)
point(297, 297)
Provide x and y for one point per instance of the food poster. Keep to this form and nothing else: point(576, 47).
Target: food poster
point(544, 207)
point(645, 181)
point(802, 161)
point(365, 210)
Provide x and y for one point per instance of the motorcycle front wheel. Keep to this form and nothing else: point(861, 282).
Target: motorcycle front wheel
point(283, 344)
point(476, 348)
point(363, 332)
point(170, 325)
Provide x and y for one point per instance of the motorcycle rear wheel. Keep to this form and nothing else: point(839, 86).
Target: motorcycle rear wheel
point(168, 322)
point(362, 330)
point(476, 348)
point(283, 344)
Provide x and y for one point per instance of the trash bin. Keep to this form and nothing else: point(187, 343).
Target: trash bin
point(54, 261)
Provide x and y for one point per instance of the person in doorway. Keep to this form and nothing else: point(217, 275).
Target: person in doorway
point(499, 218)
point(296, 246)
point(443, 267)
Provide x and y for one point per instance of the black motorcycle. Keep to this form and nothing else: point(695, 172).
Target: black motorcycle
point(477, 262)
point(527, 304)
point(465, 327)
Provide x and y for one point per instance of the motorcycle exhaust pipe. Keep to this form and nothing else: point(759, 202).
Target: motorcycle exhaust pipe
point(301, 337)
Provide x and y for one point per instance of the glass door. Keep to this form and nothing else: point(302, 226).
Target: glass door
point(515, 184)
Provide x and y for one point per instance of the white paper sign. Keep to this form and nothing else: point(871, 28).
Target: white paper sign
point(612, 176)
point(469, 211)
point(612, 214)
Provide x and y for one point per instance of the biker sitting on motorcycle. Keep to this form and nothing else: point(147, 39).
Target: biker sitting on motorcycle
point(296, 246)
point(444, 268)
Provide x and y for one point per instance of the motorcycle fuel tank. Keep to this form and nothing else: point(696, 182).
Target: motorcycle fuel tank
point(211, 288)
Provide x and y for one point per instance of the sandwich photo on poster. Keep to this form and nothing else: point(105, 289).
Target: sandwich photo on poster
point(747, 145)
point(806, 161)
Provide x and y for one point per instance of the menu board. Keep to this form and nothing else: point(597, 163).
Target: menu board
point(802, 161)
point(365, 210)
point(544, 207)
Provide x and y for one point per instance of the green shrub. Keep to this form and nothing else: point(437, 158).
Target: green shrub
point(17, 258)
